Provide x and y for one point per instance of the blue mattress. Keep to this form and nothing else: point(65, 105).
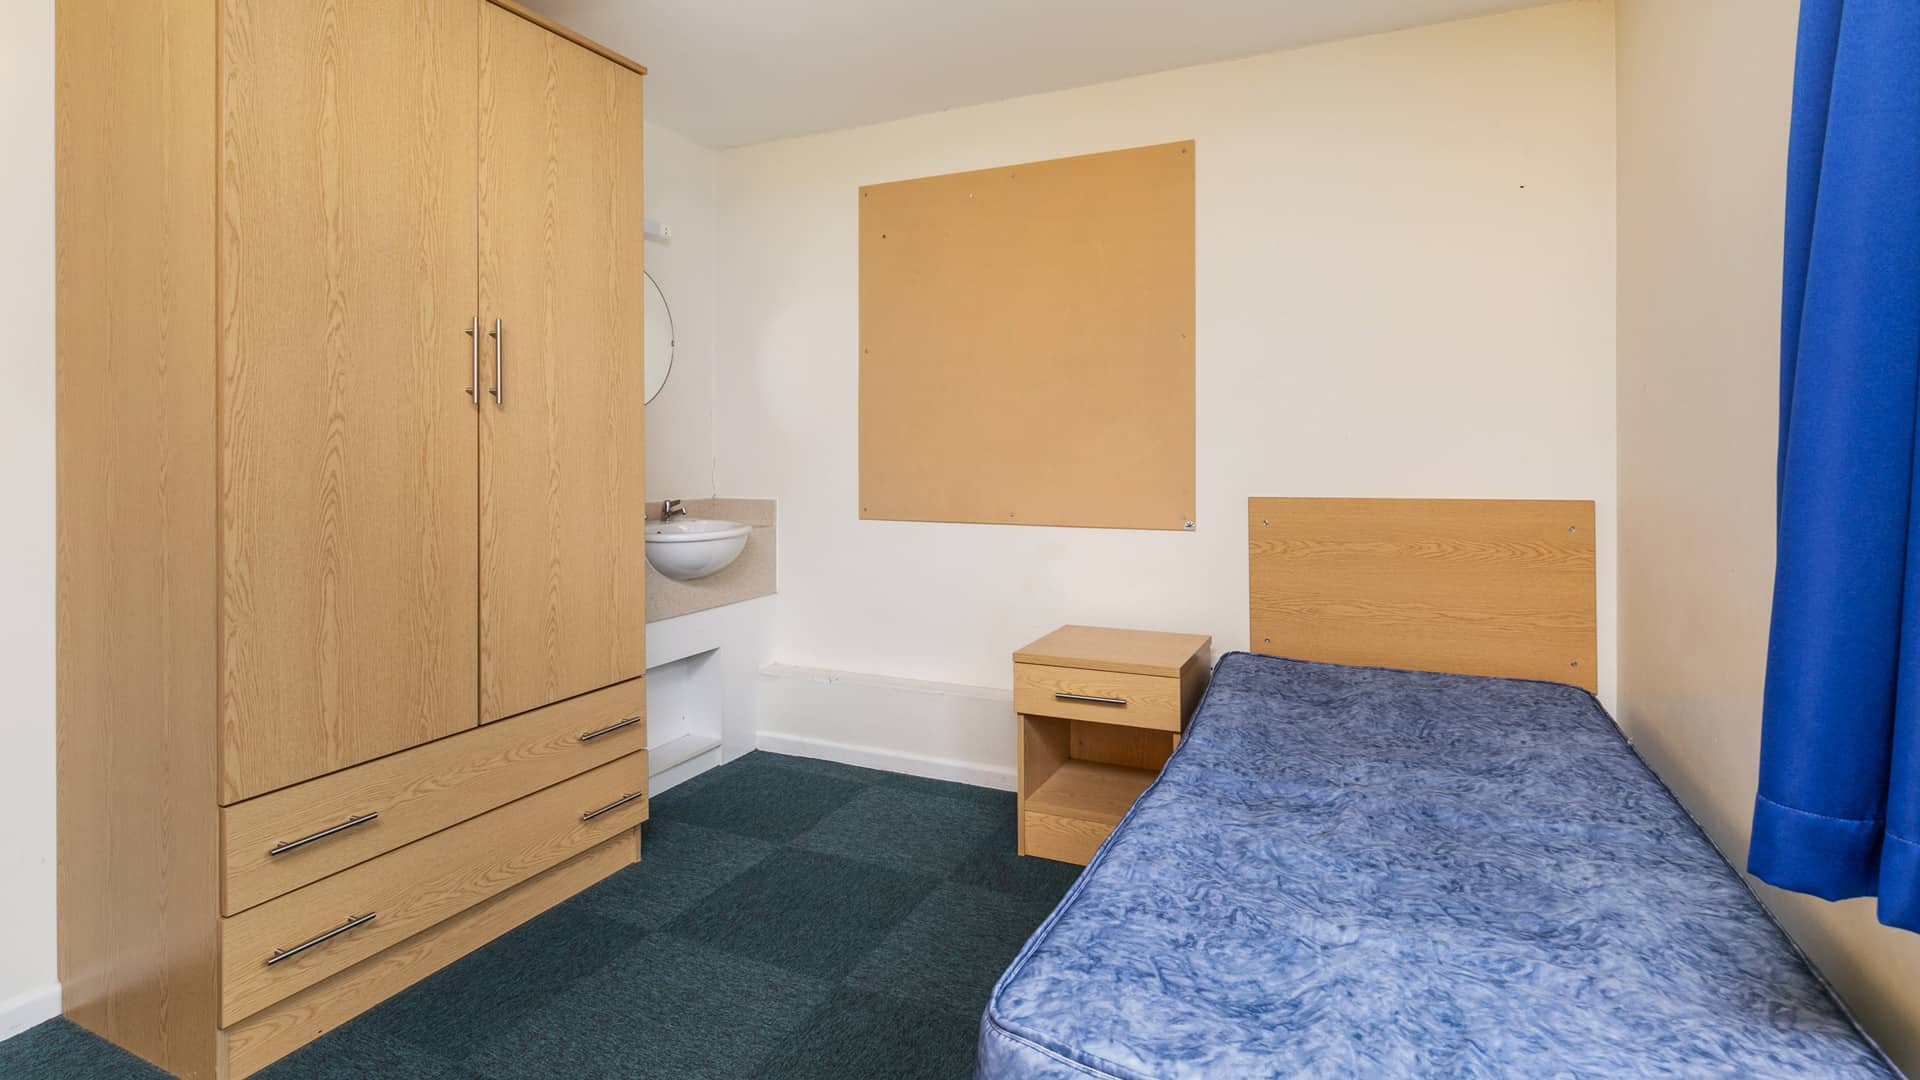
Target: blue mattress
point(1357, 872)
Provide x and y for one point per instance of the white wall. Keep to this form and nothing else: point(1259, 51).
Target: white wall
point(1704, 94)
point(959, 733)
point(1406, 288)
point(29, 991)
point(680, 178)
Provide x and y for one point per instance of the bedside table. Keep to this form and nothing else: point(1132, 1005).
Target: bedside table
point(1098, 712)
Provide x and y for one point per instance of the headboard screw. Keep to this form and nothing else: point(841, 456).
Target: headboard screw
point(1573, 663)
point(1264, 521)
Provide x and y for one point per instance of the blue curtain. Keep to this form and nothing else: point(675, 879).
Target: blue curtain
point(1838, 812)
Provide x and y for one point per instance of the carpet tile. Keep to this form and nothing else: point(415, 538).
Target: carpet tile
point(514, 977)
point(665, 1007)
point(811, 913)
point(906, 830)
point(760, 800)
point(877, 1035)
point(680, 866)
point(951, 949)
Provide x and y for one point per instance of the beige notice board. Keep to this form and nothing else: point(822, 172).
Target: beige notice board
point(1027, 343)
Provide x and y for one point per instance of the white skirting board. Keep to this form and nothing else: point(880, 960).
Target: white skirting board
point(23, 1011)
point(945, 731)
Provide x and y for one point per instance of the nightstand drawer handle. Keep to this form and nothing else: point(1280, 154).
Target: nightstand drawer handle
point(288, 954)
point(1091, 699)
point(288, 845)
point(614, 805)
point(589, 736)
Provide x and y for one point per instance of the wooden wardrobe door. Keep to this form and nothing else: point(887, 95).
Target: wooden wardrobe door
point(562, 517)
point(348, 471)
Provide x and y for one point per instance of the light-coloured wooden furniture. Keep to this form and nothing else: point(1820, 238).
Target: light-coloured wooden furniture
point(346, 233)
point(1098, 712)
point(1501, 587)
point(1027, 343)
point(351, 584)
point(563, 518)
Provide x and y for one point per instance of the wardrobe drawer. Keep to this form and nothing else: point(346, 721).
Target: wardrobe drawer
point(291, 942)
point(280, 841)
point(1106, 697)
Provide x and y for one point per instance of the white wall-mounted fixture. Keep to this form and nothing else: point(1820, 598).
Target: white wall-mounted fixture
point(693, 548)
point(658, 357)
point(655, 230)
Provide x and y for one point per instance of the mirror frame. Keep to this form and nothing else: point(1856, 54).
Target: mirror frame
point(673, 340)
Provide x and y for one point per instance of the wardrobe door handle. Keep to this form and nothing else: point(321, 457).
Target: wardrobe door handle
point(288, 954)
point(499, 362)
point(614, 805)
point(473, 385)
point(589, 736)
point(1091, 699)
point(288, 845)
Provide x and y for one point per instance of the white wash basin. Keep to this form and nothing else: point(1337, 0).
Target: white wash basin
point(693, 548)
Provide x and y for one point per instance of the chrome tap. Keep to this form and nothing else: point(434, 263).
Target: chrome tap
point(671, 509)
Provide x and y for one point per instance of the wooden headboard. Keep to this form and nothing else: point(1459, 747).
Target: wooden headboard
point(1475, 586)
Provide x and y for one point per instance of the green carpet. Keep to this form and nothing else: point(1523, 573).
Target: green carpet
point(789, 918)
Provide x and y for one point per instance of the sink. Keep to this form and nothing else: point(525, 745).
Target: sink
point(694, 547)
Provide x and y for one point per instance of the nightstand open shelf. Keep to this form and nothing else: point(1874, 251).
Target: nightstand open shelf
point(1099, 711)
point(1090, 791)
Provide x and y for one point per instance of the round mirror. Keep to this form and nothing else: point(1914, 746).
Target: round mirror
point(659, 363)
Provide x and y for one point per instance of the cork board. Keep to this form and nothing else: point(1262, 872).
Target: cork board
point(1027, 344)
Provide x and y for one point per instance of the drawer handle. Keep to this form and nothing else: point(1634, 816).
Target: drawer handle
point(286, 846)
point(288, 954)
point(1091, 699)
point(589, 736)
point(614, 805)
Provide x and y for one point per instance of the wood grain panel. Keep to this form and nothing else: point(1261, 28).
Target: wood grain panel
point(563, 580)
point(347, 440)
point(1090, 791)
point(569, 33)
point(1136, 748)
point(1044, 745)
point(1027, 343)
point(1477, 587)
point(1194, 679)
point(136, 700)
point(1151, 701)
point(1101, 648)
point(419, 885)
point(420, 791)
point(272, 1033)
point(1066, 839)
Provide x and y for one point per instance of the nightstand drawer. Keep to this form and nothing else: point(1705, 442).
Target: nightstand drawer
point(1106, 697)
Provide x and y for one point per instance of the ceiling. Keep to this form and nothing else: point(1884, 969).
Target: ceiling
point(732, 72)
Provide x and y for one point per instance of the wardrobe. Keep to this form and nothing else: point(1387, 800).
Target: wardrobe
point(351, 624)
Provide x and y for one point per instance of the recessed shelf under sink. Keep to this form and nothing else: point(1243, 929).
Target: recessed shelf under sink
point(678, 751)
point(689, 548)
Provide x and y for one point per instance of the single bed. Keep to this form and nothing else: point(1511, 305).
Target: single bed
point(1360, 871)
